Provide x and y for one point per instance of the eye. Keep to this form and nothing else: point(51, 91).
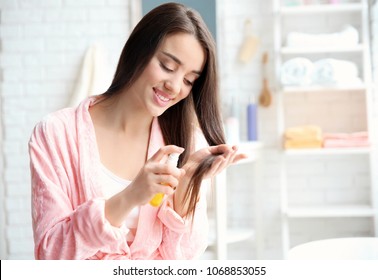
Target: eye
point(188, 83)
point(165, 68)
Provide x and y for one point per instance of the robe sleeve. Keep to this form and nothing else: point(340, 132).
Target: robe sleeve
point(183, 238)
point(61, 229)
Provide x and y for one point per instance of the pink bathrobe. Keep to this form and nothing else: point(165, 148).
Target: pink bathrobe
point(68, 203)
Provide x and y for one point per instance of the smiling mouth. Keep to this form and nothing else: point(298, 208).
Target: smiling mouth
point(162, 97)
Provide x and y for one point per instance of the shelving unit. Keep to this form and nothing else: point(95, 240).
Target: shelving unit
point(325, 152)
point(361, 51)
point(322, 8)
point(328, 49)
point(222, 235)
point(331, 211)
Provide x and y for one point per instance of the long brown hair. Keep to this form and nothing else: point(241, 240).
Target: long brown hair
point(202, 105)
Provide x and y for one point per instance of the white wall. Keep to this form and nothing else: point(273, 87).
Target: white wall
point(3, 244)
point(43, 44)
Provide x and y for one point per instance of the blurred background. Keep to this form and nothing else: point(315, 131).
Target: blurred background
point(299, 94)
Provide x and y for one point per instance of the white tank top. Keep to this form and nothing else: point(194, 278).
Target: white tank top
point(112, 184)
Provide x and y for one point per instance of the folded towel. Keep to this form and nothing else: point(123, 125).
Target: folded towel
point(348, 36)
point(346, 140)
point(304, 133)
point(296, 71)
point(360, 135)
point(302, 144)
point(94, 78)
point(345, 143)
point(334, 71)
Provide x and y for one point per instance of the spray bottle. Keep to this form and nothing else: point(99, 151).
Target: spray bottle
point(158, 198)
point(232, 124)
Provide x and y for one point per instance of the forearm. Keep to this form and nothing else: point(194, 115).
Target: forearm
point(118, 207)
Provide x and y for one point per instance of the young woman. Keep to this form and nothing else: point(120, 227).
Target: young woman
point(96, 167)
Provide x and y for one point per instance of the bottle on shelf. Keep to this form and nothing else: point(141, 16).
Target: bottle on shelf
point(233, 125)
point(252, 120)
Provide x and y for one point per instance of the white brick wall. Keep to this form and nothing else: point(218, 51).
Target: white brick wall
point(3, 245)
point(43, 44)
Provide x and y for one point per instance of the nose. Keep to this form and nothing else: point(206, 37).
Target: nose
point(173, 85)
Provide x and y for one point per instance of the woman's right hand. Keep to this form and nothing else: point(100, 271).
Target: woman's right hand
point(156, 176)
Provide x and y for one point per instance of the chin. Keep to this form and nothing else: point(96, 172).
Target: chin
point(157, 112)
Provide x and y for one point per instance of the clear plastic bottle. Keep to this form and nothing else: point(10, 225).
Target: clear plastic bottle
point(232, 126)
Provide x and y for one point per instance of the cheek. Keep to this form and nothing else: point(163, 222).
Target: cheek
point(185, 93)
point(153, 73)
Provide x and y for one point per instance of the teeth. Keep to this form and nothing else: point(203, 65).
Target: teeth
point(162, 98)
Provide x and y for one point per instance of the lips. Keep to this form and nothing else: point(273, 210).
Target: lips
point(161, 98)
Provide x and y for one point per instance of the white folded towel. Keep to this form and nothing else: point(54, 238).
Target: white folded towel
point(296, 71)
point(94, 77)
point(334, 71)
point(347, 37)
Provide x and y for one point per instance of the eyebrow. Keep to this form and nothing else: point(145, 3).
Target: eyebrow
point(179, 62)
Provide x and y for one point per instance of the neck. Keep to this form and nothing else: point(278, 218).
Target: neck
point(124, 115)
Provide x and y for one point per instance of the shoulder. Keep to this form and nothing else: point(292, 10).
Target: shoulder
point(56, 122)
point(63, 123)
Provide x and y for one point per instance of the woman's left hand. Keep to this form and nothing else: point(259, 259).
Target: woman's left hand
point(225, 156)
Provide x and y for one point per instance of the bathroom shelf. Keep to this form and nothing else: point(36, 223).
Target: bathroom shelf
point(249, 148)
point(319, 50)
point(336, 88)
point(322, 8)
point(234, 235)
point(339, 211)
point(286, 20)
point(327, 151)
